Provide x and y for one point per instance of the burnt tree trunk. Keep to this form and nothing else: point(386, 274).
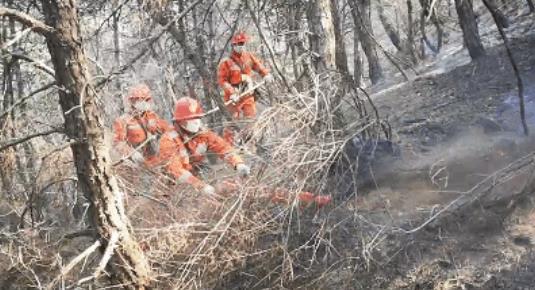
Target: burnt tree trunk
point(429, 12)
point(322, 37)
point(178, 32)
point(293, 11)
point(357, 61)
point(411, 46)
point(116, 44)
point(531, 6)
point(341, 56)
point(24, 162)
point(391, 31)
point(497, 13)
point(514, 65)
point(302, 67)
point(360, 10)
point(83, 122)
point(468, 23)
point(202, 49)
point(7, 157)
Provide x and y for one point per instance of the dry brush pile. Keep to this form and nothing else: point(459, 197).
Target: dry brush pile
point(193, 242)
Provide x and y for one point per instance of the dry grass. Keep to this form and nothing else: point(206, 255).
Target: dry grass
point(194, 243)
point(244, 239)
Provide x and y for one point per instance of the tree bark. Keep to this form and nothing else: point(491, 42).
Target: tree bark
point(468, 23)
point(357, 61)
point(24, 161)
point(429, 12)
point(514, 65)
point(292, 39)
point(322, 37)
point(83, 122)
point(8, 157)
point(411, 46)
point(497, 13)
point(341, 56)
point(116, 44)
point(531, 6)
point(296, 41)
point(178, 33)
point(360, 10)
point(202, 50)
point(393, 35)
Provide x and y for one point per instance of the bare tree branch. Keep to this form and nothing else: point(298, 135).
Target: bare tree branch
point(112, 14)
point(4, 146)
point(270, 50)
point(74, 262)
point(36, 25)
point(23, 100)
point(108, 253)
point(147, 47)
point(34, 62)
point(15, 39)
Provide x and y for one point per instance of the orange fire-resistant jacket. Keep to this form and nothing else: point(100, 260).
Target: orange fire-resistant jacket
point(130, 132)
point(207, 141)
point(175, 159)
point(231, 69)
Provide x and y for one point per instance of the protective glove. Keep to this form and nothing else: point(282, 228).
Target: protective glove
point(137, 157)
point(243, 170)
point(269, 78)
point(234, 98)
point(208, 190)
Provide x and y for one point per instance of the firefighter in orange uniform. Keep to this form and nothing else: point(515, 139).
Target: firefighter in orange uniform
point(140, 127)
point(175, 158)
point(199, 140)
point(166, 150)
point(235, 76)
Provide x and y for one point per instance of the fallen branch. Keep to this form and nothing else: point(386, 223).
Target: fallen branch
point(73, 263)
point(82, 233)
point(476, 192)
point(153, 198)
point(108, 253)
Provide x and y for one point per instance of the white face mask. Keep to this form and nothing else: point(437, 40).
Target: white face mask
point(143, 106)
point(192, 126)
point(239, 48)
